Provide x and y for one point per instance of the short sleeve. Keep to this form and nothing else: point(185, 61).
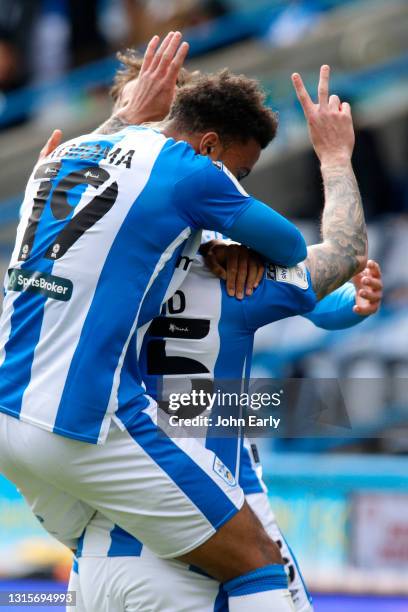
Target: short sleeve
point(284, 292)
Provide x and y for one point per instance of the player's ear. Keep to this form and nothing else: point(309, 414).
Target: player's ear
point(210, 145)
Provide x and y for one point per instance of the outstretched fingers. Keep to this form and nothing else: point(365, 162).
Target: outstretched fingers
point(323, 87)
point(302, 94)
point(158, 54)
point(150, 53)
point(169, 53)
point(178, 61)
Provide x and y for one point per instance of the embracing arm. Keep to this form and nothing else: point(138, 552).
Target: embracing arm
point(270, 234)
point(335, 311)
point(352, 303)
point(343, 251)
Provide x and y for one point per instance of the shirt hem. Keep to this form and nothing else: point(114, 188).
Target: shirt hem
point(57, 430)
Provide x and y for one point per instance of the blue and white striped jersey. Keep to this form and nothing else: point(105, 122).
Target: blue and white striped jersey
point(103, 219)
point(205, 333)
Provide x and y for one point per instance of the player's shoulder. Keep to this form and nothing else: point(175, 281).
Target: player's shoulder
point(191, 164)
point(178, 154)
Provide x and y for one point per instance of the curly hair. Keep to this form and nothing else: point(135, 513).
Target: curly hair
point(231, 105)
point(131, 65)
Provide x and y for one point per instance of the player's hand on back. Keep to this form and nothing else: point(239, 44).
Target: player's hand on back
point(369, 289)
point(240, 267)
point(150, 96)
point(52, 143)
point(329, 121)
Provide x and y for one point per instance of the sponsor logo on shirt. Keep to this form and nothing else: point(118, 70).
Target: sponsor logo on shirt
point(51, 169)
point(175, 328)
point(294, 276)
point(50, 286)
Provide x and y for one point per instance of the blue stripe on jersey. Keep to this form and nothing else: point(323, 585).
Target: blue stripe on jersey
point(124, 545)
point(248, 478)
point(221, 602)
point(121, 263)
point(28, 308)
point(15, 372)
point(75, 567)
point(188, 475)
point(80, 546)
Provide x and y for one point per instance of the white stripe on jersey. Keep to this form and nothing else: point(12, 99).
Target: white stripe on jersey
point(54, 351)
point(113, 400)
point(188, 254)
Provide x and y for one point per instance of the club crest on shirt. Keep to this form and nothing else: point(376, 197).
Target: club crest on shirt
point(294, 276)
point(221, 469)
point(270, 271)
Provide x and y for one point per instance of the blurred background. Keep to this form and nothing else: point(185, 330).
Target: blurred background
point(342, 502)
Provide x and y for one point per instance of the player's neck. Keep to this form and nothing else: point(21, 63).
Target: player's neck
point(171, 130)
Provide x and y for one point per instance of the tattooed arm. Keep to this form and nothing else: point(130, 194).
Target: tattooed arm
point(112, 125)
point(343, 251)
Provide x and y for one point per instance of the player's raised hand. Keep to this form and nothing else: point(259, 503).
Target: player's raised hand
point(52, 143)
point(149, 97)
point(369, 289)
point(329, 121)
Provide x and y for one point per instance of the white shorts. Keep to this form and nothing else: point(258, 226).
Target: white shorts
point(149, 584)
point(171, 494)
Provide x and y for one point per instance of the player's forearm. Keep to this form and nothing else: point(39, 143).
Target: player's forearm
point(343, 251)
point(335, 311)
point(267, 232)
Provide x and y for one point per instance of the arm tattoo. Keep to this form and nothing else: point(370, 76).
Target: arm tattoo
point(112, 125)
point(343, 251)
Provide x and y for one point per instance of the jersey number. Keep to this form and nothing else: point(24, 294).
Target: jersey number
point(61, 208)
point(160, 364)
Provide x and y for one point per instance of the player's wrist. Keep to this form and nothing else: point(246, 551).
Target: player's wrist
point(337, 160)
point(138, 117)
